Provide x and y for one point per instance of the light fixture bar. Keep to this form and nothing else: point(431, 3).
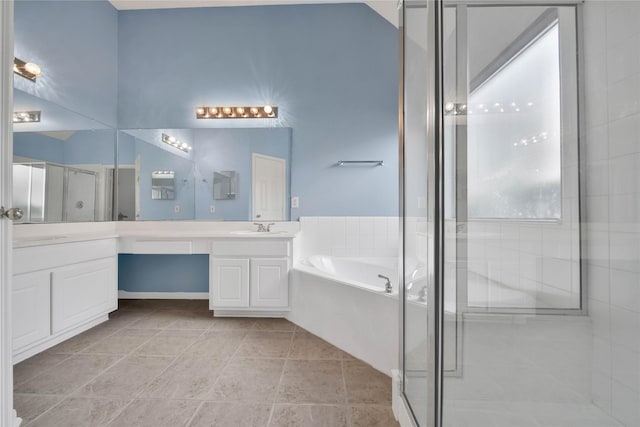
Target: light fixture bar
point(170, 140)
point(26, 117)
point(28, 70)
point(228, 112)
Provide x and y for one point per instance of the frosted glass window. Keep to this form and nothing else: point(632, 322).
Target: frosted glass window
point(514, 137)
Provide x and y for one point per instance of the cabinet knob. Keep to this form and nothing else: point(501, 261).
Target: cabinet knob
point(14, 214)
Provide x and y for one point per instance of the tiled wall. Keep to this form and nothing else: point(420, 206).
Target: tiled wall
point(612, 151)
point(524, 264)
point(348, 236)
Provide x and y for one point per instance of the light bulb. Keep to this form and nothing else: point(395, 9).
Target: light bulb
point(32, 68)
point(449, 106)
point(172, 139)
point(226, 110)
point(213, 111)
point(268, 109)
point(200, 111)
point(240, 110)
point(254, 110)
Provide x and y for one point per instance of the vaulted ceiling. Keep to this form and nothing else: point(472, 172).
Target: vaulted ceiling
point(386, 8)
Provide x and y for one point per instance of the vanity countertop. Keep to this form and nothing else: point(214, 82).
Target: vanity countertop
point(58, 233)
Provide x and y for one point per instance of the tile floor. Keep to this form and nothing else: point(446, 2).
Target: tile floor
point(170, 363)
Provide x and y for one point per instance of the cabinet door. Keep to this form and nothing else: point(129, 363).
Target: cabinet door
point(269, 282)
point(229, 284)
point(31, 308)
point(83, 291)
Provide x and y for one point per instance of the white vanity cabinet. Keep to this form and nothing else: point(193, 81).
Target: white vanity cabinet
point(60, 290)
point(249, 277)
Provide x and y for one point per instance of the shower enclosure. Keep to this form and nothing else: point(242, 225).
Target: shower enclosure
point(520, 140)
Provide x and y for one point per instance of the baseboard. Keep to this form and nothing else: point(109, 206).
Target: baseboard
point(399, 406)
point(249, 313)
point(162, 295)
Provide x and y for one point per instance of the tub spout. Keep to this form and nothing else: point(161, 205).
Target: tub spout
point(387, 286)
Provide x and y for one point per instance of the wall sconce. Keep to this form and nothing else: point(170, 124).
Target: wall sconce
point(170, 140)
point(262, 112)
point(28, 70)
point(26, 117)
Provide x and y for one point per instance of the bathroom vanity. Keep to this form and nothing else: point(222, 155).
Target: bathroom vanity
point(65, 276)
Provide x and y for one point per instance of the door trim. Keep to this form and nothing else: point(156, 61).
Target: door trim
point(8, 415)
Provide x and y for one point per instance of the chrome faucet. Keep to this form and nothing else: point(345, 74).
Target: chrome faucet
point(264, 228)
point(387, 286)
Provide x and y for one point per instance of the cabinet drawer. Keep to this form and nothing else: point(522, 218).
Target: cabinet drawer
point(43, 257)
point(82, 291)
point(31, 308)
point(251, 248)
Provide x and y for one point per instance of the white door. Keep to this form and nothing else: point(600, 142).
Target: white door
point(269, 282)
point(126, 194)
point(269, 188)
point(229, 284)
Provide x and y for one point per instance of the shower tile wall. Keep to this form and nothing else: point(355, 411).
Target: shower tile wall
point(612, 147)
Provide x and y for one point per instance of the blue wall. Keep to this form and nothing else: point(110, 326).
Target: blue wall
point(332, 70)
point(76, 45)
point(163, 273)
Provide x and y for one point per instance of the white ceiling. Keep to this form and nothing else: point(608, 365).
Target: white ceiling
point(386, 8)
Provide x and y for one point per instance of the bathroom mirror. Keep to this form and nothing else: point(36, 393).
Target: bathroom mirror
point(63, 164)
point(218, 178)
point(225, 185)
point(163, 185)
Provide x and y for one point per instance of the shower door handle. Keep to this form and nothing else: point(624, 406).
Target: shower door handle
point(14, 214)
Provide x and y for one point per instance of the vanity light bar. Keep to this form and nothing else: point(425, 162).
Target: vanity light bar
point(26, 117)
point(170, 140)
point(262, 112)
point(28, 70)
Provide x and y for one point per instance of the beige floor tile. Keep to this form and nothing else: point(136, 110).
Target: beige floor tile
point(309, 416)
point(157, 320)
point(36, 365)
point(193, 320)
point(122, 342)
point(372, 416)
point(85, 339)
point(127, 378)
point(365, 384)
point(231, 414)
point(67, 376)
point(30, 406)
point(156, 413)
point(248, 380)
point(188, 377)
point(81, 412)
point(232, 323)
point(266, 344)
point(169, 342)
point(217, 344)
point(317, 381)
point(307, 346)
point(266, 324)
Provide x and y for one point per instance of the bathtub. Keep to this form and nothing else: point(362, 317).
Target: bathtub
point(343, 301)
point(359, 272)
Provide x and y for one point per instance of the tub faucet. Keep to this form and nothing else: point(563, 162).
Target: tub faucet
point(387, 286)
point(263, 228)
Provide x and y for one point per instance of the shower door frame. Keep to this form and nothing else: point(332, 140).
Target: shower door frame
point(435, 210)
point(436, 202)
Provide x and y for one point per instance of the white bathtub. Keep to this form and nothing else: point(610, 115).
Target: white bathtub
point(361, 272)
point(343, 301)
